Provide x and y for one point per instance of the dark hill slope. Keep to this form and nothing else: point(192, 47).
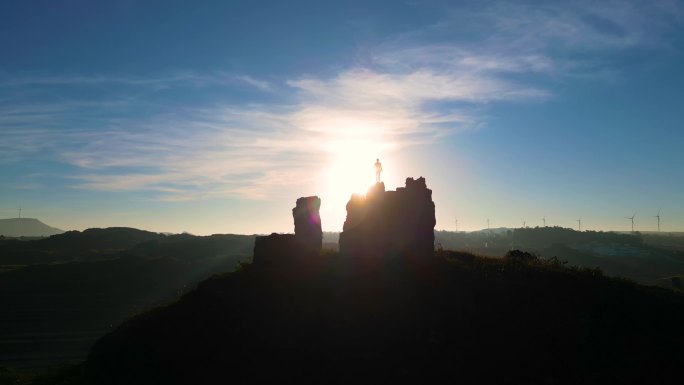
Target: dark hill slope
point(188, 247)
point(89, 244)
point(96, 238)
point(456, 318)
point(60, 295)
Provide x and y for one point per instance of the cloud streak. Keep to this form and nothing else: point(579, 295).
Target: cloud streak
point(407, 93)
point(175, 80)
point(578, 26)
point(250, 150)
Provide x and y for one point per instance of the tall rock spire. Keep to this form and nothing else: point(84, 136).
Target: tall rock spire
point(305, 243)
point(307, 222)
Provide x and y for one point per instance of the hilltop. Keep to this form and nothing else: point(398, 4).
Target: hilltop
point(26, 227)
point(388, 308)
point(456, 316)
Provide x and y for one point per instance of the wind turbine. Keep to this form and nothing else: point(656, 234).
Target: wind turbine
point(658, 216)
point(632, 219)
point(544, 220)
point(456, 219)
point(524, 223)
point(487, 223)
point(579, 223)
point(19, 212)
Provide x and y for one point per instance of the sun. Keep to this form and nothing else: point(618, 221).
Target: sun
point(350, 171)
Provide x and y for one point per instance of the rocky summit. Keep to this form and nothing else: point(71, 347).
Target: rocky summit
point(390, 223)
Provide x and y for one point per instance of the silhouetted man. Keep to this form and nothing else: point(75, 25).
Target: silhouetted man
point(378, 170)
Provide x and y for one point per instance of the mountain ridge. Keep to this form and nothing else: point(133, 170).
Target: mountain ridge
point(26, 227)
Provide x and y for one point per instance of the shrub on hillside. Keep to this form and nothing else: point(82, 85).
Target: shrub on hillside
point(522, 256)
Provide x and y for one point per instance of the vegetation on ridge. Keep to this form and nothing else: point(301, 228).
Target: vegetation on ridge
point(456, 316)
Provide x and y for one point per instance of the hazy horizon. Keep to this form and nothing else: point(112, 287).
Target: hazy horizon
point(215, 119)
point(484, 229)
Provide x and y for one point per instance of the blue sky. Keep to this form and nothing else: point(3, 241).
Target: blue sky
point(216, 117)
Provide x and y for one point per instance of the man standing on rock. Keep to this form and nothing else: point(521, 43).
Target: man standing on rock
point(378, 170)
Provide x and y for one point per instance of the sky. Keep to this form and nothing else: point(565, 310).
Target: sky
point(215, 116)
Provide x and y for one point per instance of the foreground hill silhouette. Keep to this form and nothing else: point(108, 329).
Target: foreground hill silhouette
point(443, 316)
point(463, 317)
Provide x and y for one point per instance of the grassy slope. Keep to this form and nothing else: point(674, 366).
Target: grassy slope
point(54, 312)
point(467, 318)
point(650, 259)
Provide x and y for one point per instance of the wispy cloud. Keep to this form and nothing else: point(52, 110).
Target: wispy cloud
point(559, 38)
point(412, 90)
point(250, 150)
point(257, 83)
point(459, 59)
point(254, 150)
point(209, 152)
point(25, 186)
point(177, 79)
point(580, 25)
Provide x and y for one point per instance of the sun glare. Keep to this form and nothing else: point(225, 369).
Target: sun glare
point(352, 166)
point(351, 171)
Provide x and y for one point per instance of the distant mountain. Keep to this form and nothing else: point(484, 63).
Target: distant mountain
point(71, 245)
point(494, 230)
point(100, 238)
point(26, 227)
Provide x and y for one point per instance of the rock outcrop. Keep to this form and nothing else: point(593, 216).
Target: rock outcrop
point(390, 223)
point(307, 222)
point(305, 243)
